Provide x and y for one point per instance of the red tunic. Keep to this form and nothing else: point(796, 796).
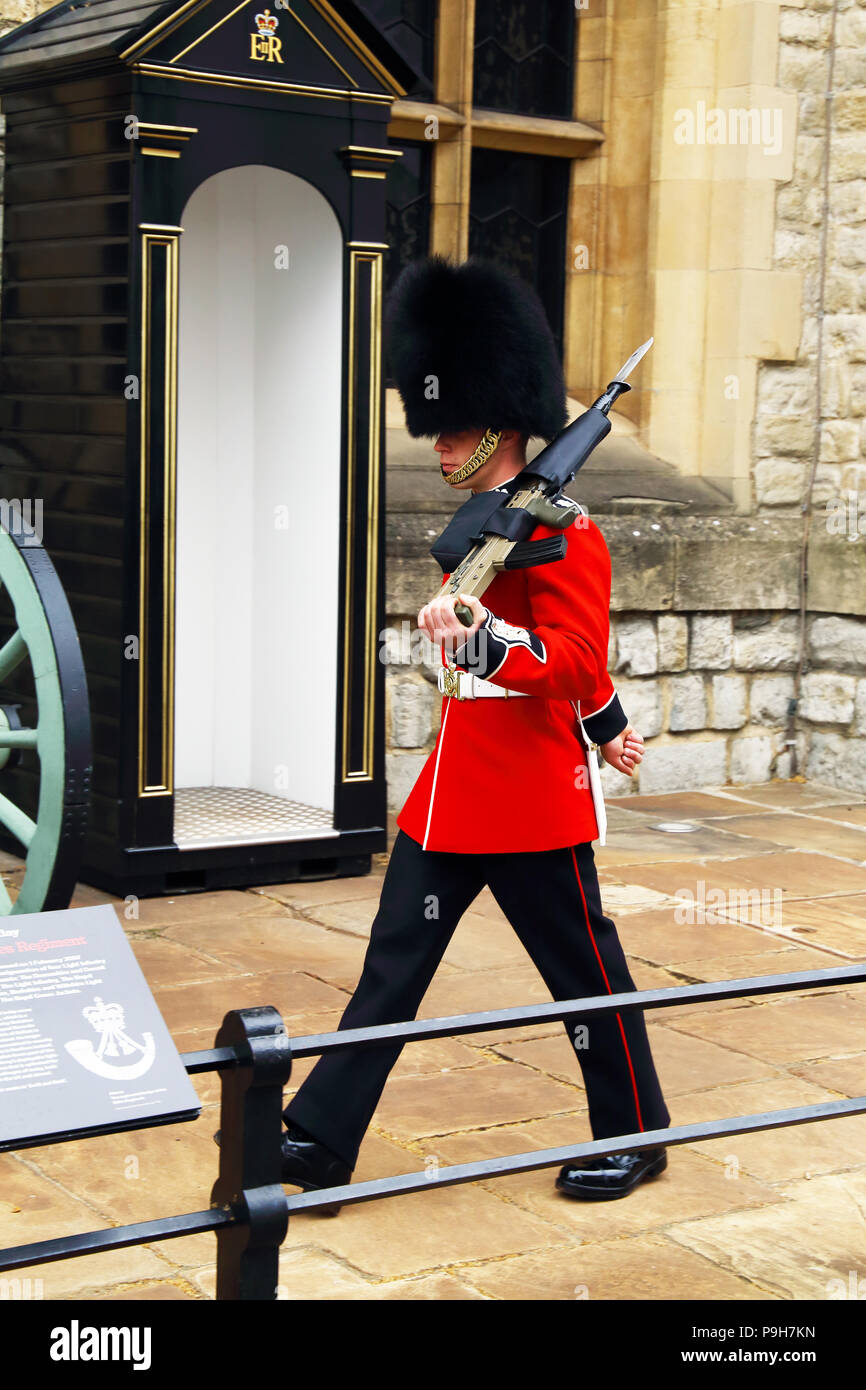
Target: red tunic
point(510, 775)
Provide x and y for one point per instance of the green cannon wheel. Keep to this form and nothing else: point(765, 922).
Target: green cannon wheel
point(53, 748)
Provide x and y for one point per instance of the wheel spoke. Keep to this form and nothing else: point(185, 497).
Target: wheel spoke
point(12, 653)
point(18, 738)
point(16, 820)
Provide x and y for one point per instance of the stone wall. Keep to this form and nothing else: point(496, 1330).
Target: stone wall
point(705, 638)
point(785, 435)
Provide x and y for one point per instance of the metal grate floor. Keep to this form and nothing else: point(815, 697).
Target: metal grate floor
point(206, 817)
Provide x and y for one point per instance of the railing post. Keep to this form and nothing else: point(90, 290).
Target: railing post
point(249, 1174)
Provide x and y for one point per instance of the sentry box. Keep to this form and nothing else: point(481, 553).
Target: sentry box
point(190, 349)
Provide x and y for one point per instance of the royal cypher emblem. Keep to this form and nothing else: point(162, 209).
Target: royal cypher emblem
point(264, 44)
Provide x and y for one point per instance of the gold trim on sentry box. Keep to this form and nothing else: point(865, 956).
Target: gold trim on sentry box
point(175, 19)
point(152, 237)
point(373, 257)
point(260, 84)
point(358, 47)
point(340, 27)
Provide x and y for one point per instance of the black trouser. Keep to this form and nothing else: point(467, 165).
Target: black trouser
point(551, 898)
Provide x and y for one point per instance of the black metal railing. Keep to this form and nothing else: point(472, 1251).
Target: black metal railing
point(253, 1054)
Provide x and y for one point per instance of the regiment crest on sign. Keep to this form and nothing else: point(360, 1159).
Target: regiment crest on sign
point(109, 1022)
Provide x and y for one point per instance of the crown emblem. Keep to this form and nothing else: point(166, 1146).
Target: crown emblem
point(266, 22)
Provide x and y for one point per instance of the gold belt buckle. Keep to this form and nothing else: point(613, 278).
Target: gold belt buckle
point(451, 683)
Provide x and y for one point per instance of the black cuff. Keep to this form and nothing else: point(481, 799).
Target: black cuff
point(607, 723)
point(483, 653)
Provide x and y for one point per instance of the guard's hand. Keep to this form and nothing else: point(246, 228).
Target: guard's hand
point(442, 625)
point(625, 751)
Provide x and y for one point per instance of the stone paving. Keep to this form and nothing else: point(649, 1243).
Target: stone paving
point(775, 1215)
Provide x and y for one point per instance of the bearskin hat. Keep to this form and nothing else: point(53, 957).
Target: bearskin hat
point(470, 347)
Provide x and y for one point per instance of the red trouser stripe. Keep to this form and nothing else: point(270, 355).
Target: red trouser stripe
point(609, 990)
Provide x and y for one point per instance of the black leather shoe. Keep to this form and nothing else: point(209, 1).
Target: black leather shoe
point(308, 1164)
point(604, 1179)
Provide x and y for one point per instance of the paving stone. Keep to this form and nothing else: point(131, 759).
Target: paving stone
point(690, 1185)
point(836, 924)
point(796, 794)
point(799, 874)
point(785, 959)
point(484, 1095)
point(434, 1288)
point(844, 1075)
point(313, 1274)
point(85, 895)
point(278, 943)
point(448, 1226)
point(484, 942)
point(431, 1058)
point(165, 963)
point(694, 805)
point(806, 1247)
point(785, 1029)
point(202, 1007)
point(301, 896)
point(142, 1174)
point(226, 904)
point(646, 1268)
point(620, 898)
point(851, 815)
point(33, 1208)
point(652, 846)
point(683, 1064)
point(164, 1291)
point(657, 936)
point(845, 841)
point(775, 1155)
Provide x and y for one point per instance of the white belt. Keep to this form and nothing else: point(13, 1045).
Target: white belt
point(461, 685)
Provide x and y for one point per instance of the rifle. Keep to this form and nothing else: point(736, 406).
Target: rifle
point(502, 541)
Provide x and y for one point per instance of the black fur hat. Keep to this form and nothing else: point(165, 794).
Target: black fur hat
point(470, 347)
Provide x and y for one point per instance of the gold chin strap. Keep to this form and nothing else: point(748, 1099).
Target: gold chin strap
point(482, 453)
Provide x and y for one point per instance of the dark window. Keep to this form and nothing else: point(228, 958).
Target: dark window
point(409, 25)
point(524, 56)
point(518, 217)
point(408, 207)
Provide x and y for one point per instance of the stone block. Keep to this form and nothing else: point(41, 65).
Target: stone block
point(784, 434)
point(838, 641)
point(737, 563)
point(637, 647)
point(779, 482)
point(768, 699)
point(751, 759)
point(686, 765)
point(673, 642)
point(642, 702)
point(401, 773)
point(711, 644)
point(840, 441)
point(771, 647)
point(688, 704)
point(827, 698)
point(411, 704)
point(837, 761)
point(729, 702)
point(837, 576)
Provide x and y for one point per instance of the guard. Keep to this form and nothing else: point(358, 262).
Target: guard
point(509, 796)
